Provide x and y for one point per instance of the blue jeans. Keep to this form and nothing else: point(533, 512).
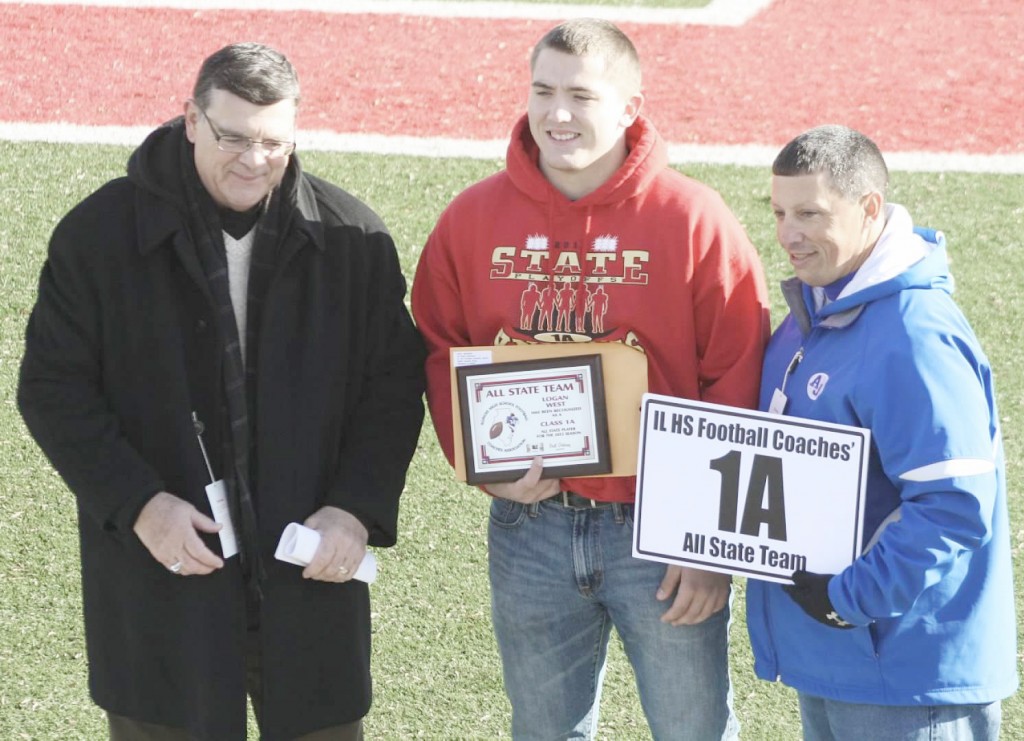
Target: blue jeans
point(561, 577)
point(831, 720)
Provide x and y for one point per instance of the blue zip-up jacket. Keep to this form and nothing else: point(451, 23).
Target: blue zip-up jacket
point(931, 596)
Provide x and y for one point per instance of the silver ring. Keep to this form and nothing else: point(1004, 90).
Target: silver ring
point(175, 568)
point(342, 570)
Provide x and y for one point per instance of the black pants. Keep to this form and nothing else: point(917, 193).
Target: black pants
point(128, 729)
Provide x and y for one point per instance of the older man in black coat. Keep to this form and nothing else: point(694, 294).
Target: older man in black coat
point(218, 315)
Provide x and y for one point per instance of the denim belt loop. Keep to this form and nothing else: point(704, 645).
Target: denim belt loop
point(620, 513)
point(533, 509)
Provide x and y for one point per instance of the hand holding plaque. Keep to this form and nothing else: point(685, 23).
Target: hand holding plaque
point(513, 412)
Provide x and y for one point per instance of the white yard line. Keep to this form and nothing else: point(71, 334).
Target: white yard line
point(715, 13)
point(329, 141)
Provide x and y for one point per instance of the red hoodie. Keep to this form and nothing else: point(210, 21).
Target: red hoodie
point(651, 258)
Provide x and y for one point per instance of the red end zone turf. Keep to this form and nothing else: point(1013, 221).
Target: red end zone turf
point(919, 75)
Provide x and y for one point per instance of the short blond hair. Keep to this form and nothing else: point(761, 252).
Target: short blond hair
point(591, 36)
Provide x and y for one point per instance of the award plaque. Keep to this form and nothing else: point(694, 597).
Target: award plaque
point(552, 408)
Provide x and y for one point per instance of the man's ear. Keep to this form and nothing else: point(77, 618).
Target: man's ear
point(874, 205)
point(633, 106)
point(191, 119)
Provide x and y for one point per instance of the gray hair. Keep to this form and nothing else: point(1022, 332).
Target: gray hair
point(852, 161)
point(591, 36)
point(254, 72)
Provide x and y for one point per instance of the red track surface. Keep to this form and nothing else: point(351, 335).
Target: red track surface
point(930, 75)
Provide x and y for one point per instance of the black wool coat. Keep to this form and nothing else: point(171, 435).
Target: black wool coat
point(123, 346)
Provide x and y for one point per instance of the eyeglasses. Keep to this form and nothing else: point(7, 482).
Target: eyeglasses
point(237, 144)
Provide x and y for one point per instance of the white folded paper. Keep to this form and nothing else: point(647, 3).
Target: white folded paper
point(298, 545)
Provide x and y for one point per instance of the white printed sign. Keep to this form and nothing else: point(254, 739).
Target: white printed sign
point(748, 493)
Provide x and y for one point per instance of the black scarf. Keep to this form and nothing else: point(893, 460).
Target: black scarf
point(239, 380)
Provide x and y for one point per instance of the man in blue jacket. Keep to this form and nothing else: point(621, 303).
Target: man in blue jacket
point(915, 639)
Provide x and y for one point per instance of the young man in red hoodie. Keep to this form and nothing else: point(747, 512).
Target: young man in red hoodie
point(617, 247)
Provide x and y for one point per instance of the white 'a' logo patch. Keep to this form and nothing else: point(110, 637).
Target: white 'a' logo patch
point(816, 385)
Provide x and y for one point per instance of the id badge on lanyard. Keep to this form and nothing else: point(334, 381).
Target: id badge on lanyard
point(217, 493)
point(779, 398)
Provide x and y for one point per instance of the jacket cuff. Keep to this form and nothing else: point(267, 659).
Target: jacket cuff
point(845, 607)
point(122, 520)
